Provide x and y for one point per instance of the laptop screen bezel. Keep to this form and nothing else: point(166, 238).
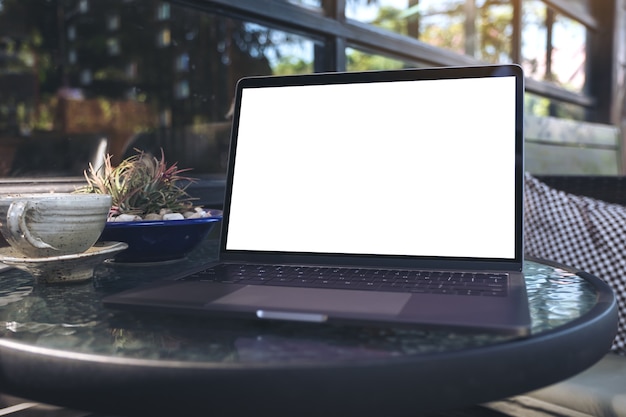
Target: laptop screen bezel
point(506, 70)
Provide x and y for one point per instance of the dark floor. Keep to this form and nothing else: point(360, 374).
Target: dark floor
point(475, 411)
point(512, 407)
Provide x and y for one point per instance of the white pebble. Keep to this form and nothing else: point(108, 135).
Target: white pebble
point(126, 218)
point(201, 212)
point(173, 216)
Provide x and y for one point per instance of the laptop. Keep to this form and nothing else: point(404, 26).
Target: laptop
point(378, 197)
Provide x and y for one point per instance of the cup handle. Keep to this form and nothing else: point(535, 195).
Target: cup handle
point(16, 222)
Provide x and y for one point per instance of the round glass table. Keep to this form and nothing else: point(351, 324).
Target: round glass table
point(59, 345)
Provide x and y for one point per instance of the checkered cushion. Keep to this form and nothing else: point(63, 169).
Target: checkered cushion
point(581, 232)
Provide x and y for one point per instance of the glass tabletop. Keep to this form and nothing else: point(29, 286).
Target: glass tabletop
point(71, 318)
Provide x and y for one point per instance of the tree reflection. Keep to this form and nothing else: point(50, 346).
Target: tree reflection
point(142, 73)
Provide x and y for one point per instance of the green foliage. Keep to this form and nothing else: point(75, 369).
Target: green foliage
point(361, 61)
point(141, 184)
point(291, 65)
point(390, 18)
point(542, 106)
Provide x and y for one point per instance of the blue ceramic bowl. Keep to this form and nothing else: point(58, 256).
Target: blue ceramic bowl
point(157, 241)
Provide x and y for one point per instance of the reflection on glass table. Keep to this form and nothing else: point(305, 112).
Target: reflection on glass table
point(157, 361)
point(71, 318)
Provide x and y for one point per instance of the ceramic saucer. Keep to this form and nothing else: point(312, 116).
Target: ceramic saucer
point(66, 268)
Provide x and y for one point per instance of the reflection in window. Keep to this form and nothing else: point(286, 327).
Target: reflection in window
point(284, 52)
point(131, 70)
point(543, 106)
point(182, 63)
point(182, 89)
point(553, 47)
point(164, 38)
point(367, 11)
point(165, 118)
point(113, 23)
point(166, 79)
point(492, 33)
point(72, 56)
point(479, 28)
point(168, 87)
point(569, 53)
point(71, 33)
point(314, 4)
point(85, 77)
point(113, 46)
point(393, 15)
point(163, 11)
point(83, 6)
point(362, 61)
point(442, 24)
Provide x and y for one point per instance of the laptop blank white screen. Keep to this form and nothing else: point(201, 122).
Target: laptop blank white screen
point(423, 168)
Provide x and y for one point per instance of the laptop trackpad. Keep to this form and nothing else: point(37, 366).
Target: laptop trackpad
point(316, 300)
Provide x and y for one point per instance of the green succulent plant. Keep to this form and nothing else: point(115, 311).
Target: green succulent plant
point(140, 185)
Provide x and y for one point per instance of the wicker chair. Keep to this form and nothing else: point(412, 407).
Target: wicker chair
point(583, 159)
point(599, 391)
point(609, 188)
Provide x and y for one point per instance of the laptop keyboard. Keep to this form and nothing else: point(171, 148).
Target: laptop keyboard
point(438, 282)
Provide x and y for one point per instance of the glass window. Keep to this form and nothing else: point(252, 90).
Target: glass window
point(72, 56)
point(393, 15)
point(182, 89)
point(175, 94)
point(154, 74)
point(478, 28)
point(85, 77)
point(182, 62)
point(83, 6)
point(363, 61)
point(113, 22)
point(314, 4)
point(442, 24)
point(163, 11)
point(71, 33)
point(164, 38)
point(284, 52)
point(113, 46)
point(543, 106)
point(553, 47)
point(131, 72)
point(569, 53)
point(493, 32)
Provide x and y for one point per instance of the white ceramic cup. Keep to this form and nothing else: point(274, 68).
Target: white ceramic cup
point(53, 224)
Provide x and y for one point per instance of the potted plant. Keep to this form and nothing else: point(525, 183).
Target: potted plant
point(151, 209)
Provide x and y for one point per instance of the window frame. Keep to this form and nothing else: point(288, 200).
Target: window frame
point(330, 24)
